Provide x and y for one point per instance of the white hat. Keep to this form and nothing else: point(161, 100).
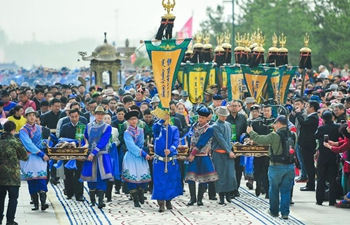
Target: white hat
point(249, 100)
point(29, 110)
point(222, 111)
point(155, 99)
point(175, 92)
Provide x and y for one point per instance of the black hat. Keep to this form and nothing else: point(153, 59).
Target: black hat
point(4, 93)
point(217, 97)
point(254, 107)
point(327, 115)
point(203, 111)
point(131, 114)
point(281, 119)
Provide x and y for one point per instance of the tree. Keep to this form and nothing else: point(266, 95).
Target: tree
point(333, 17)
point(291, 17)
point(216, 23)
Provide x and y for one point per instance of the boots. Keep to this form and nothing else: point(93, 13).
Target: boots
point(192, 187)
point(222, 198)
point(108, 193)
point(201, 190)
point(135, 196)
point(35, 199)
point(141, 197)
point(228, 197)
point(92, 194)
point(161, 206)
point(44, 205)
point(168, 204)
point(100, 195)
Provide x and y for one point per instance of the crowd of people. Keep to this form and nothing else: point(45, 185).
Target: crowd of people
point(133, 150)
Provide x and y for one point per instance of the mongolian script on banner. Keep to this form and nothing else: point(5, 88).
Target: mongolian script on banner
point(197, 78)
point(285, 80)
point(236, 84)
point(166, 64)
point(255, 79)
point(212, 77)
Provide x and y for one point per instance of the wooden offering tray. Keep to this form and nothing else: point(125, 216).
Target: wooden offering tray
point(67, 153)
point(183, 150)
point(250, 150)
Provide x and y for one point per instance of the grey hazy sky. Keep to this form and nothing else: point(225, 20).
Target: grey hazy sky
point(63, 20)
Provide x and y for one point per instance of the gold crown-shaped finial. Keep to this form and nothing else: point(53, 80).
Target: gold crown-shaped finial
point(246, 42)
point(189, 49)
point(274, 43)
point(227, 37)
point(168, 6)
point(220, 40)
point(206, 40)
point(306, 43)
point(198, 38)
point(239, 42)
point(283, 40)
point(259, 40)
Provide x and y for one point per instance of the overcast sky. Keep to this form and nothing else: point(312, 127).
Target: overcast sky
point(63, 20)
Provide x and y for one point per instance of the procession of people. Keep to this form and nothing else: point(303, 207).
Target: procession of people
point(136, 150)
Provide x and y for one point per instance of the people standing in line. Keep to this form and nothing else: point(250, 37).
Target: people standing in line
point(11, 152)
point(327, 167)
point(34, 169)
point(200, 168)
point(238, 124)
point(166, 172)
point(281, 172)
point(307, 140)
point(223, 156)
point(136, 172)
point(97, 169)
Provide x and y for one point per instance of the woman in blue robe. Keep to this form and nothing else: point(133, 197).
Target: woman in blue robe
point(97, 169)
point(167, 184)
point(34, 170)
point(136, 172)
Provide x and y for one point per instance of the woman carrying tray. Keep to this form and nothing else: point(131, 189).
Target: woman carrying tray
point(97, 168)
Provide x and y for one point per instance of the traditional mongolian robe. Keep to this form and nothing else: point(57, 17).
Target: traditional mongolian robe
point(224, 166)
point(166, 186)
point(201, 169)
point(98, 170)
point(33, 170)
point(135, 166)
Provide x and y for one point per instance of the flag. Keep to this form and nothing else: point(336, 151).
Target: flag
point(133, 58)
point(236, 84)
point(287, 75)
point(166, 58)
point(186, 30)
point(255, 79)
point(197, 76)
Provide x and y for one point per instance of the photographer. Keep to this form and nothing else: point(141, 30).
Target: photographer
point(280, 173)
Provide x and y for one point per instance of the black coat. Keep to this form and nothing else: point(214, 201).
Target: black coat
point(332, 129)
point(308, 127)
point(184, 127)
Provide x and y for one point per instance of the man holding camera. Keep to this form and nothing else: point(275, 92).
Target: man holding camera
point(307, 141)
point(281, 173)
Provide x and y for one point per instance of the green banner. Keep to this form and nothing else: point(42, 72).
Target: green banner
point(235, 83)
point(166, 58)
point(256, 79)
point(197, 79)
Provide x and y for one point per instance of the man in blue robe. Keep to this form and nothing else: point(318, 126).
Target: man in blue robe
point(167, 182)
point(97, 169)
point(200, 168)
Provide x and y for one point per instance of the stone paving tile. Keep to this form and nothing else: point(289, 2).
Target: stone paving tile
point(245, 210)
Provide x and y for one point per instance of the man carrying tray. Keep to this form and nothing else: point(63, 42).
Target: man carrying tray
point(74, 130)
